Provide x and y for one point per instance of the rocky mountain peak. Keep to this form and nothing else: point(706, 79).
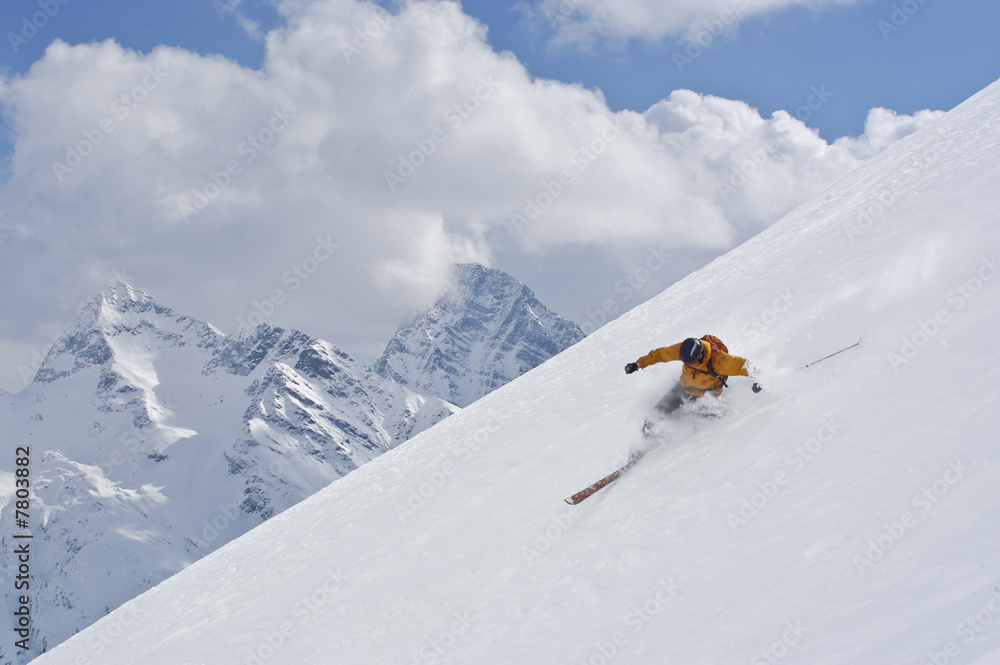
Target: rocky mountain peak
point(485, 330)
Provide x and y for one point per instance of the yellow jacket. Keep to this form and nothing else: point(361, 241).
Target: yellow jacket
point(697, 379)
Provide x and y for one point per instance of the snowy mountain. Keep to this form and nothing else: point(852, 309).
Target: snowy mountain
point(155, 439)
point(847, 514)
point(486, 330)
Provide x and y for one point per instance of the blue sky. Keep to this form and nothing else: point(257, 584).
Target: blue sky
point(596, 200)
point(944, 52)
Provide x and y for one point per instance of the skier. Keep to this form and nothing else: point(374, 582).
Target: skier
point(707, 365)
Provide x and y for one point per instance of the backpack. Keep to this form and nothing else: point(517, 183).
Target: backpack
point(717, 344)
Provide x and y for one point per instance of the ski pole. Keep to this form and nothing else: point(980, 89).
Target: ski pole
point(858, 343)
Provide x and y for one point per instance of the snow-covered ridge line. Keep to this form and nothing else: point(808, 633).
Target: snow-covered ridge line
point(487, 329)
point(157, 439)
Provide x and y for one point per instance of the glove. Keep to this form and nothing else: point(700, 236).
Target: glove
point(756, 387)
point(631, 367)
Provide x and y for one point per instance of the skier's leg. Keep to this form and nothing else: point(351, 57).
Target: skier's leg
point(656, 423)
point(673, 400)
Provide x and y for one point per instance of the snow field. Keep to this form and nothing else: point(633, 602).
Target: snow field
point(845, 515)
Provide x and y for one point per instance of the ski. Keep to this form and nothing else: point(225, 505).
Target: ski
point(606, 480)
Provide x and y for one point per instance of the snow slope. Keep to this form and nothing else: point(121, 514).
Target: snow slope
point(849, 514)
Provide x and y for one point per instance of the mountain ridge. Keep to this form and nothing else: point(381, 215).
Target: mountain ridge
point(159, 438)
point(465, 346)
point(152, 430)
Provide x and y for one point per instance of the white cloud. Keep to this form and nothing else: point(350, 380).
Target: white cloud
point(883, 128)
point(330, 190)
point(586, 22)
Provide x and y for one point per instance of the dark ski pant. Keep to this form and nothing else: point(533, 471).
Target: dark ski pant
point(675, 398)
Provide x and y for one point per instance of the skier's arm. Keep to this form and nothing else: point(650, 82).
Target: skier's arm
point(730, 365)
point(736, 366)
point(661, 355)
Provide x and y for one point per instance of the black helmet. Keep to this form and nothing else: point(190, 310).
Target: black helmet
point(692, 350)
